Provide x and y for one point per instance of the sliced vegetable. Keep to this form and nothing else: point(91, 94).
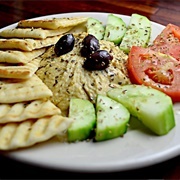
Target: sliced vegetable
point(168, 41)
point(155, 69)
point(112, 118)
point(138, 33)
point(115, 29)
point(152, 107)
point(84, 113)
point(176, 31)
point(95, 27)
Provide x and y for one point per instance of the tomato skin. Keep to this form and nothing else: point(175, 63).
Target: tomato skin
point(168, 41)
point(141, 60)
point(176, 31)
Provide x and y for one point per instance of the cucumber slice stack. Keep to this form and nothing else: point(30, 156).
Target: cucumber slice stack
point(110, 116)
point(108, 119)
point(136, 33)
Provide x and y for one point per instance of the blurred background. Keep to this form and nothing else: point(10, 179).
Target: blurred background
point(161, 11)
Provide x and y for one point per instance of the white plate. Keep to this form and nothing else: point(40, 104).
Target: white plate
point(138, 148)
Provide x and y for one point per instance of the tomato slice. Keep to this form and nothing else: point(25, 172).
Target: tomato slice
point(155, 69)
point(168, 41)
point(176, 31)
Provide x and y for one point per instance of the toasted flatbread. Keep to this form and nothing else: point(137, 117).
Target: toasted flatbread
point(53, 23)
point(19, 71)
point(36, 33)
point(27, 44)
point(14, 91)
point(30, 132)
point(14, 56)
point(27, 110)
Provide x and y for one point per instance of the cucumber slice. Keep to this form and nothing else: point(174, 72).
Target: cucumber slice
point(152, 107)
point(112, 118)
point(96, 28)
point(85, 119)
point(138, 33)
point(115, 29)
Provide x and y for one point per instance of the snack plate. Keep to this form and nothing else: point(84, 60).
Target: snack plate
point(138, 148)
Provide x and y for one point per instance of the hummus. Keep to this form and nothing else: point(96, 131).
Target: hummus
point(66, 77)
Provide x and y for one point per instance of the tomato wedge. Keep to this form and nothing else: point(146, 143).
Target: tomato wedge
point(168, 41)
point(155, 69)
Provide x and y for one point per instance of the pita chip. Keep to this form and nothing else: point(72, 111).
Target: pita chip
point(14, 56)
point(53, 23)
point(27, 44)
point(35, 33)
point(14, 90)
point(27, 110)
point(31, 132)
point(19, 71)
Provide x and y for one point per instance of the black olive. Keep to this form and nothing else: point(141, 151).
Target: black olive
point(64, 45)
point(98, 60)
point(90, 44)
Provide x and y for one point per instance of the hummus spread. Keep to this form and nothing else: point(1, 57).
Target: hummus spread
point(66, 77)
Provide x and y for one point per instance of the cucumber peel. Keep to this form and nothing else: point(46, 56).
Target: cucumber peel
point(112, 119)
point(85, 119)
point(152, 107)
point(115, 29)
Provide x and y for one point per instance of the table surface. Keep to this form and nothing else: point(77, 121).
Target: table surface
point(160, 11)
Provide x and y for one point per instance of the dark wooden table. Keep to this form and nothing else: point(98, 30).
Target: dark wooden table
point(160, 11)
